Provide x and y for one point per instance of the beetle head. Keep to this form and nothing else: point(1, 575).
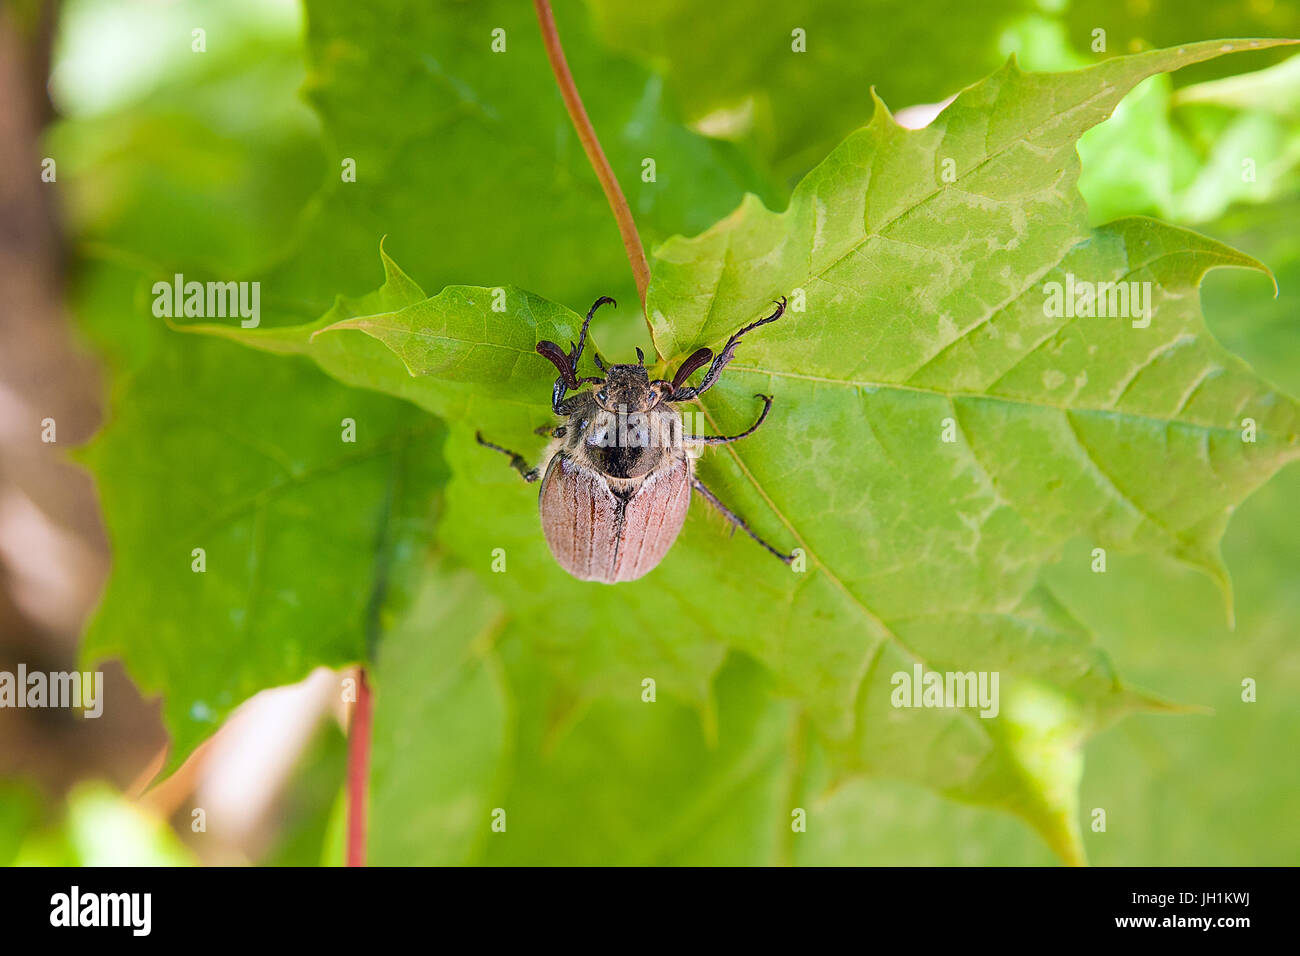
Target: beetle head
point(627, 388)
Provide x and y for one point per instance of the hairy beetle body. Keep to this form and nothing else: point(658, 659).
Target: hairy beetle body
point(618, 484)
point(618, 477)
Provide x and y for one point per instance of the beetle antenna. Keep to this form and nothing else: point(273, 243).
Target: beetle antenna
point(640, 357)
point(555, 355)
point(697, 359)
point(600, 364)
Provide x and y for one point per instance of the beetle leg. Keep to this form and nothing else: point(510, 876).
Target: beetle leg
point(723, 358)
point(550, 431)
point(517, 461)
point(558, 405)
point(557, 395)
point(736, 520)
point(575, 351)
point(725, 439)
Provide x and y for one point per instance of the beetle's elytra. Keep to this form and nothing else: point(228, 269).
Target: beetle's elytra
point(618, 477)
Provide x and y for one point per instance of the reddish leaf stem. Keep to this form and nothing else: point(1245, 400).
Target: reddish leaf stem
point(595, 155)
point(358, 771)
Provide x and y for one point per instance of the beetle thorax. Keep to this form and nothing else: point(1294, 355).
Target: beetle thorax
point(622, 443)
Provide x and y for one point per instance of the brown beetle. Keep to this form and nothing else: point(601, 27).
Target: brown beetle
point(619, 477)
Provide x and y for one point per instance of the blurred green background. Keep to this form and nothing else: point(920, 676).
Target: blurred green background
point(225, 164)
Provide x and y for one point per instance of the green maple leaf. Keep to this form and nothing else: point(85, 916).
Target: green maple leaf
point(816, 51)
point(920, 289)
point(441, 724)
point(255, 537)
point(476, 129)
point(716, 792)
point(191, 196)
point(921, 303)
